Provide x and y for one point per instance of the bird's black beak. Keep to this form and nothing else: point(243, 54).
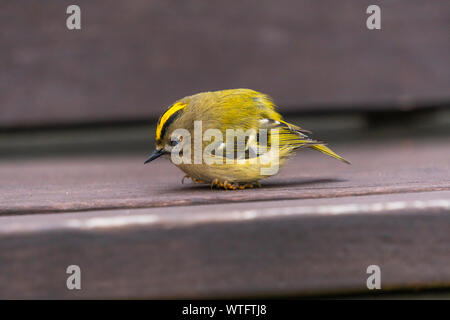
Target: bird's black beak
point(156, 154)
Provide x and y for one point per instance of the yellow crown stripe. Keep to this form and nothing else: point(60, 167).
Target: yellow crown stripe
point(177, 106)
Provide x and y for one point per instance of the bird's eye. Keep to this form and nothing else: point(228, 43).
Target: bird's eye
point(173, 143)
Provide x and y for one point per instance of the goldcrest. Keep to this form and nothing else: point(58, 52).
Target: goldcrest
point(229, 139)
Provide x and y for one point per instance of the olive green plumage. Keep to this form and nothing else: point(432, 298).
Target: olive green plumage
point(251, 114)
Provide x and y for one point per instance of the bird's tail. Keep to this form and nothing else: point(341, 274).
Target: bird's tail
point(324, 149)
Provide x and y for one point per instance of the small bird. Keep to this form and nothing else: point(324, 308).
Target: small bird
point(229, 139)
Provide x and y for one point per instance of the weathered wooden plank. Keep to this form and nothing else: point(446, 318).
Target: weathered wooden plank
point(130, 61)
point(273, 248)
point(103, 182)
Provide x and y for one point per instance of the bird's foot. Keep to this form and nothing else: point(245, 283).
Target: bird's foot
point(226, 185)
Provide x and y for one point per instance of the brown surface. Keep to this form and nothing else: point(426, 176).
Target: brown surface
point(131, 60)
point(272, 248)
point(33, 186)
point(390, 208)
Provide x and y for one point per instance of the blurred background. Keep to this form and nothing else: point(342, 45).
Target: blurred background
point(102, 88)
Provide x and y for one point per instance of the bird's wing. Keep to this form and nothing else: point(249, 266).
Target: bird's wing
point(247, 109)
point(294, 137)
point(289, 135)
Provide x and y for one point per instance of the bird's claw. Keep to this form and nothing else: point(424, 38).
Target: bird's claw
point(226, 185)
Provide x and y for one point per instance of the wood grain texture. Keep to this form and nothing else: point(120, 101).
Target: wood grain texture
point(390, 208)
point(87, 183)
point(130, 61)
point(274, 248)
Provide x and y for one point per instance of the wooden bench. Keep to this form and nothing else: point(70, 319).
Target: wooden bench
point(77, 116)
point(136, 231)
